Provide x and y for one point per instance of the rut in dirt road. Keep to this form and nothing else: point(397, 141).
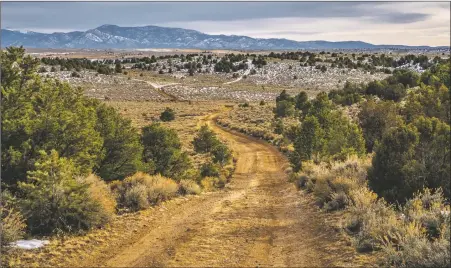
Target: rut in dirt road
point(260, 219)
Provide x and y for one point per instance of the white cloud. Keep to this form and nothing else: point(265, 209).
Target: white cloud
point(407, 23)
point(434, 30)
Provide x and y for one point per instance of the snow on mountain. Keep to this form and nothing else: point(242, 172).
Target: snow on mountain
point(112, 36)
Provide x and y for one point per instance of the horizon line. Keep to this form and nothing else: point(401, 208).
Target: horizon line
point(106, 24)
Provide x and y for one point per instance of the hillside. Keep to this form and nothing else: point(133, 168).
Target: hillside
point(112, 36)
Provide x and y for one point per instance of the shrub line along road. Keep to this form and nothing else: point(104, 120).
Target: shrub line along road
point(259, 219)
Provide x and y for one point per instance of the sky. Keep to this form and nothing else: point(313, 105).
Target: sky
point(404, 23)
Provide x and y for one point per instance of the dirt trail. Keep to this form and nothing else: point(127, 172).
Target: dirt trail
point(246, 72)
point(260, 219)
point(159, 88)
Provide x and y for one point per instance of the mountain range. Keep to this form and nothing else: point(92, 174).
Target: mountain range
point(116, 37)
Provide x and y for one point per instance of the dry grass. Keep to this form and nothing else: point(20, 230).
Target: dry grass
point(213, 183)
point(333, 183)
point(100, 193)
point(423, 235)
point(370, 220)
point(140, 191)
point(189, 187)
point(70, 250)
point(12, 225)
point(416, 235)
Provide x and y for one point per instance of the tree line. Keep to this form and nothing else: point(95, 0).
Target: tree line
point(404, 120)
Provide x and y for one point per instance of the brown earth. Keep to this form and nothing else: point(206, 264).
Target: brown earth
point(260, 219)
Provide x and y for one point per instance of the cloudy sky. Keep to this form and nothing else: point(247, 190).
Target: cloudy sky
point(408, 23)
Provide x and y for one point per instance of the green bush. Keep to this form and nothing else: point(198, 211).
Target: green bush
point(53, 200)
point(410, 158)
point(75, 74)
point(387, 176)
point(322, 191)
point(302, 103)
point(221, 154)
point(442, 72)
point(278, 126)
point(406, 77)
point(284, 109)
point(205, 140)
point(321, 106)
point(121, 150)
point(309, 139)
point(292, 131)
point(344, 98)
point(388, 89)
point(284, 96)
point(302, 181)
point(44, 115)
point(162, 152)
point(328, 135)
point(244, 105)
point(105, 70)
point(376, 119)
point(350, 94)
point(210, 170)
point(192, 174)
point(118, 68)
point(428, 101)
point(167, 115)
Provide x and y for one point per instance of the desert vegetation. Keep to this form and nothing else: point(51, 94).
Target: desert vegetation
point(384, 167)
point(90, 145)
point(72, 163)
point(206, 76)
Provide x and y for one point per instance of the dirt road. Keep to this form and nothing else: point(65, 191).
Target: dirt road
point(246, 72)
point(260, 219)
point(159, 88)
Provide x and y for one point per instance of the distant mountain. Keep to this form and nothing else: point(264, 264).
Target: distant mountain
point(112, 36)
